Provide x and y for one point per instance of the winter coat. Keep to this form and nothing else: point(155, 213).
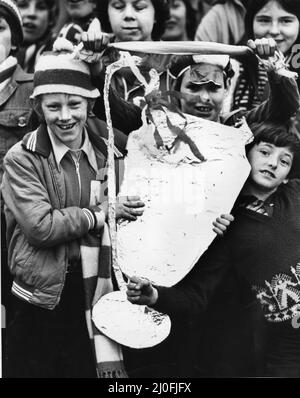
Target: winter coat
point(39, 225)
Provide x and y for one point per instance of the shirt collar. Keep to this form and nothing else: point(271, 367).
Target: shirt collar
point(4, 84)
point(253, 203)
point(60, 149)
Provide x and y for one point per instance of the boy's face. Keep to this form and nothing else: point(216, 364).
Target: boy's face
point(35, 16)
point(270, 166)
point(203, 100)
point(79, 9)
point(5, 39)
point(131, 19)
point(65, 115)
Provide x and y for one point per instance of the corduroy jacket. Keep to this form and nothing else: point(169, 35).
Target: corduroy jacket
point(38, 223)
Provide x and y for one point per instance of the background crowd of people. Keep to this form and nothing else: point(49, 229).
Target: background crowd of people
point(53, 148)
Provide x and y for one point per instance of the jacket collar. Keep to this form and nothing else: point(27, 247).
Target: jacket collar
point(21, 76)
point(39, 142)
point(18, 77)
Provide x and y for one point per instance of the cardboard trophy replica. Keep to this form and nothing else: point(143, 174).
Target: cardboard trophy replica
point(187, 171)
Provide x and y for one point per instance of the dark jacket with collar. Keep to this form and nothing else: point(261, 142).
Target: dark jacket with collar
point(39, 225)
point(16, 114)
point(258, 256)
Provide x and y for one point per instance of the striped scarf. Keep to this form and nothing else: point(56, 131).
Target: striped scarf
point(96, 268)
point(7, 68)
point(245, 98)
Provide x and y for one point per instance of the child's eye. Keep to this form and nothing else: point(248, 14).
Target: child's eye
point(213, 88)
point(22, 3)
point(41, 5)
point(52, 107)
point(264, 152)
point(263, 20)
point(141, 5)
point(286, 20)
point(194, 88)
point(117, 5)
point(285, 163)
point(176, 4)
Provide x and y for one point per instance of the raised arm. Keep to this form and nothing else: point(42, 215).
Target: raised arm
point(283, 101)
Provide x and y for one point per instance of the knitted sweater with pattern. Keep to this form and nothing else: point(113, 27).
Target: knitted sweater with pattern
point(264, 251)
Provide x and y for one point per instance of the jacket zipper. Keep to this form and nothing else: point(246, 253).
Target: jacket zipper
point(55, 184)
point(76, 162)
point(51, 167)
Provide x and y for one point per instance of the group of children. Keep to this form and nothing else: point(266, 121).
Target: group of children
point(47, 178)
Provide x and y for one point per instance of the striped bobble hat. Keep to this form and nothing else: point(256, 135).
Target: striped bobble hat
point(60, 73)
point(11, 11)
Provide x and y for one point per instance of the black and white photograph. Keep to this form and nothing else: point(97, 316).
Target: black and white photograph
point(150, 191)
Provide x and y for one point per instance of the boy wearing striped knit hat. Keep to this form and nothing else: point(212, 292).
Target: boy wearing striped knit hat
point(55, 211)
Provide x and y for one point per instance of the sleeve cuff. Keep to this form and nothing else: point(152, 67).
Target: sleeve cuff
point(162, 299)
point(95, 216)
point(91, 219)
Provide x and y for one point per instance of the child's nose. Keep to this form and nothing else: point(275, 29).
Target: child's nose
point(128, 12)
point(31, 10)
point(273, 162)
point(274, 29)
point(204, 95)
point(65, 113)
